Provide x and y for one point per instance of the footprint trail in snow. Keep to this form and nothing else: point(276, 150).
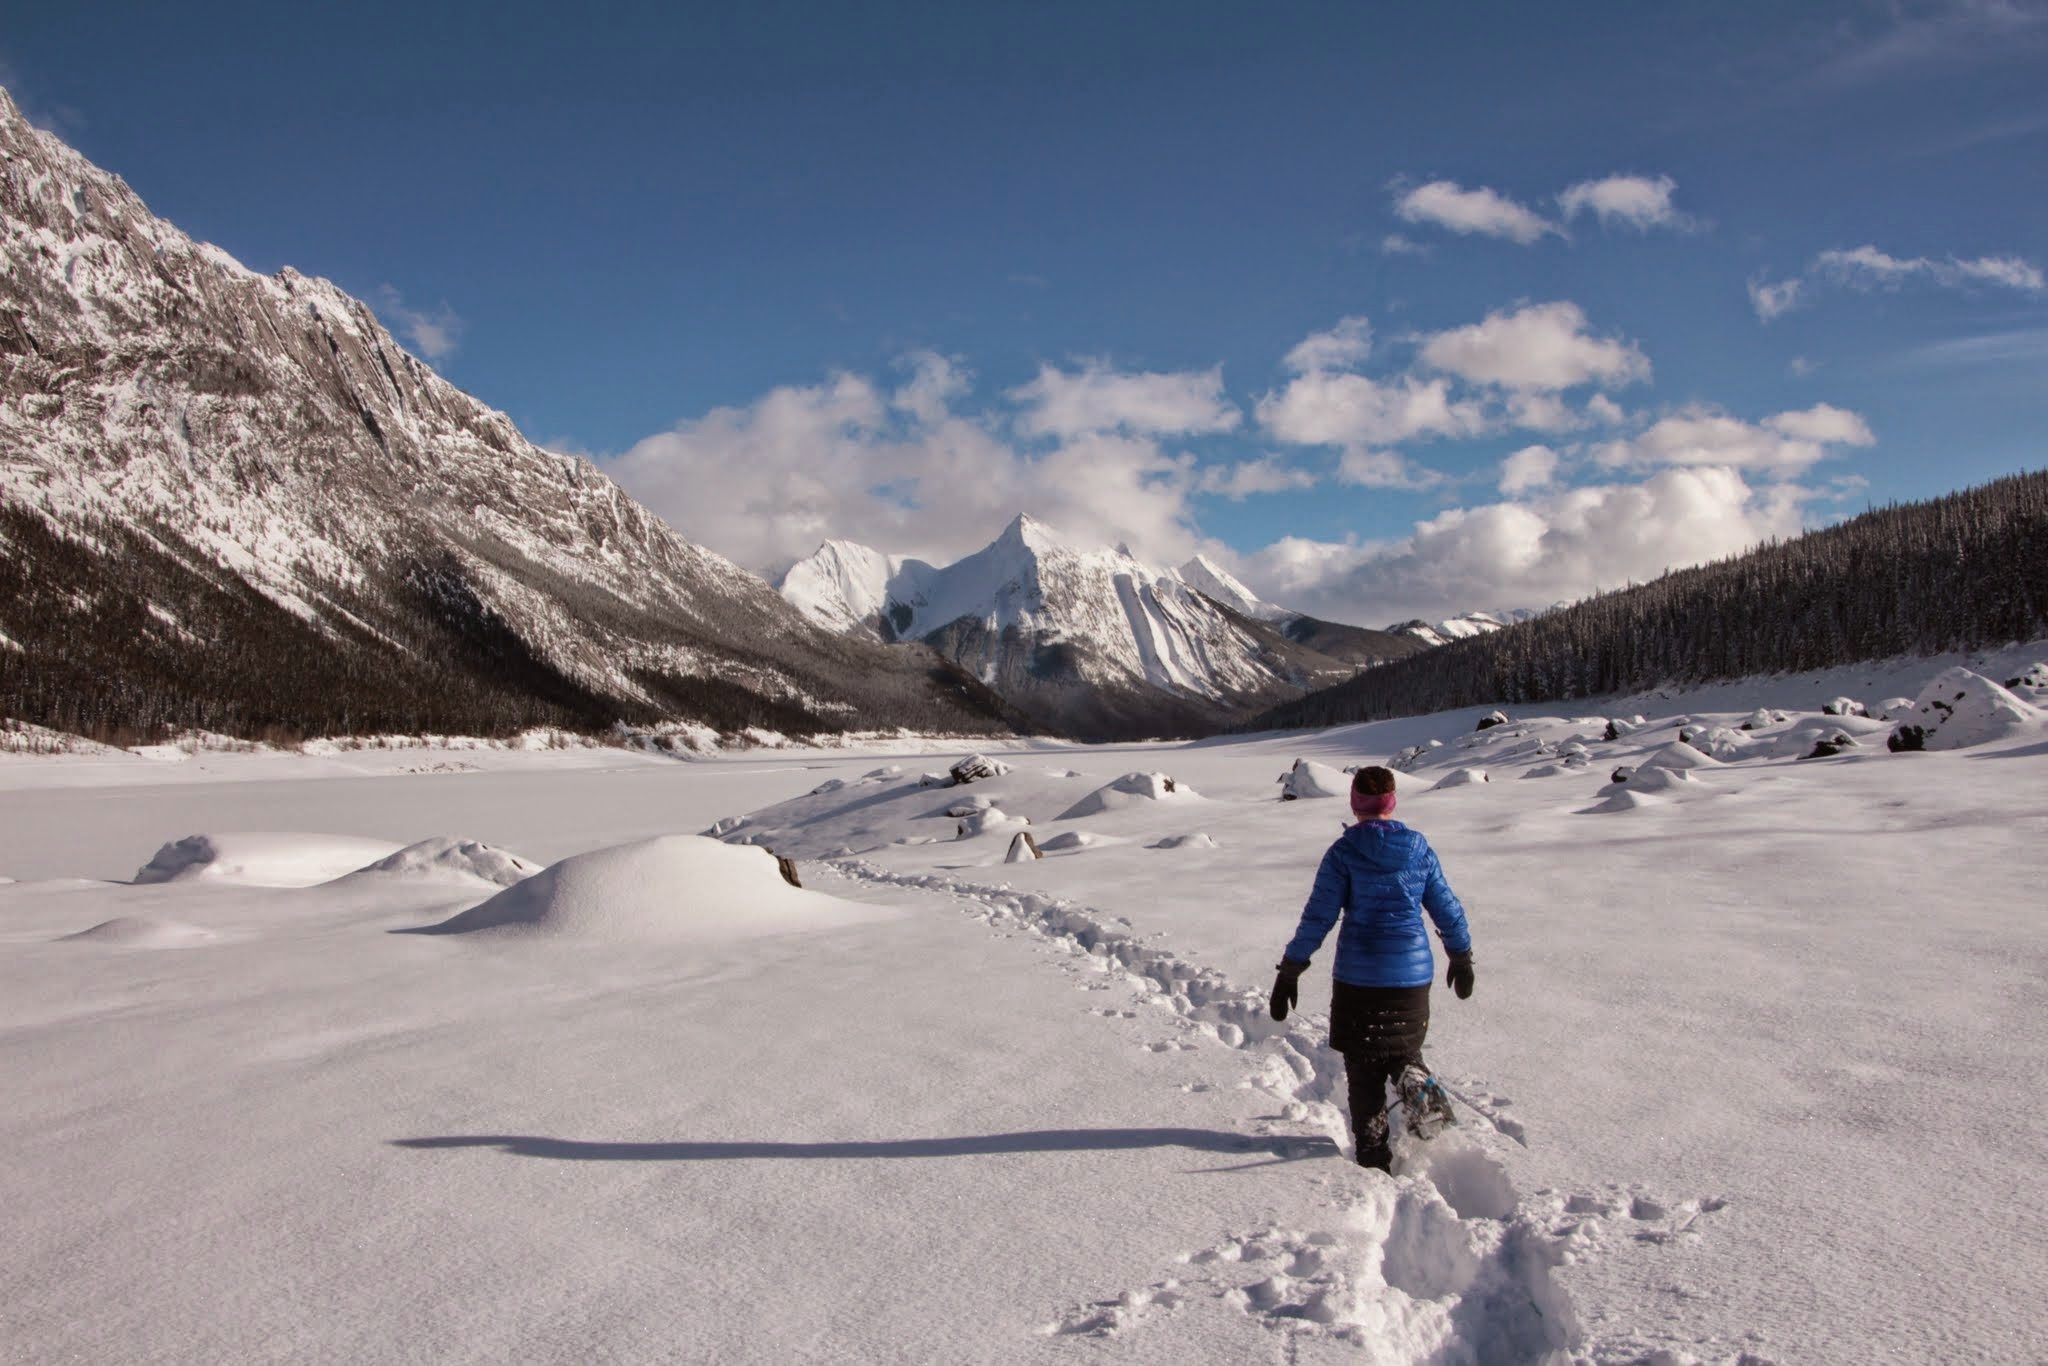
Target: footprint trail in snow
point(1442, 1262)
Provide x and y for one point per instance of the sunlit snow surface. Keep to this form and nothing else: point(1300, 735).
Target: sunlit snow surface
point(1753, 1065)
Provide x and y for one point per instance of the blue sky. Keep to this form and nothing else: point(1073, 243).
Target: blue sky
point(1599, 288)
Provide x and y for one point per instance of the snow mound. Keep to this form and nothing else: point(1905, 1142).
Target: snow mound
point(1960, 709)
point(1310, 779)
point(263, 859)
point(1200, 839)
point(2030, 684)
point(977, 767)
point(1461, 777)
point(988, 818)
point(1678, 756)
point(1130, 790)
point(1644, 787)
point(141, 932)
point(1077, 839)
point(444, 858)
point(678, 889)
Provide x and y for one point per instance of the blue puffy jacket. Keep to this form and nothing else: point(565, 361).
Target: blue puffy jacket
point(1381, 876)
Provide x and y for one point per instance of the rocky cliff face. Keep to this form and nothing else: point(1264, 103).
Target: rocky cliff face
point(1091, 640)
point(198, 462)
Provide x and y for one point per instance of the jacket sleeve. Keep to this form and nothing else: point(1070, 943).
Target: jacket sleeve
point(1326, 901)
point(1445, 909)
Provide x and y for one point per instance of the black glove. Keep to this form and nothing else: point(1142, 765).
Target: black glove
point(1459, 978)
point(1287, 987)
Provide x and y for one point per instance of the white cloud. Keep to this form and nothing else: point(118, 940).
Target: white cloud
point(1099, 399)
point(766, 482)
point(1772, 299)
point(1394, 244)
point(935, 381)
point(1785, 443)
point(1340, 348)
point(1866, 267)
point(1604, 411)
point(1530, 553)
point(1263, 475)
point(1530, 411)
point(434, 333)
point(1483, 211)
point(1540, 346)
point(1640, 202)
point(1528, 469)
point(1370, 469)
point(1799, 367)
point(1320, 408)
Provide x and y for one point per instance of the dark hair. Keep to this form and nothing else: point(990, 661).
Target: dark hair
point(1373, 781)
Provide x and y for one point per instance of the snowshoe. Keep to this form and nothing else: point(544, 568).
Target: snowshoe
point(1427, 1104)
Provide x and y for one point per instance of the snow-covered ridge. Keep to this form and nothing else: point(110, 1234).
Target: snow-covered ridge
point(1462, 627)
point(157, 393)
point(1032, 614)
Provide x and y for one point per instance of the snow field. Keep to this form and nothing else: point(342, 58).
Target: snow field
point(1723, 1088)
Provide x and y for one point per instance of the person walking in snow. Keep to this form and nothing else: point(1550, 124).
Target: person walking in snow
point(1380, 876)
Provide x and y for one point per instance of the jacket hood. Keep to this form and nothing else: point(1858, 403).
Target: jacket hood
point(1386, 846)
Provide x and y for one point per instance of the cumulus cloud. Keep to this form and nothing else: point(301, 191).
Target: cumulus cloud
point(1640, 202)
point(434, 332)
point(1099, 399)
point(1340, 348)
point(1370, 469)
point(1528, 469)
point(1264, 475)
point(1394, 244)
point(1784, 443)
point(1324, 409)
point(1530, 553)
point(1483, 211)
point(906, 470)
point(1772, 299)
point(1540, 346)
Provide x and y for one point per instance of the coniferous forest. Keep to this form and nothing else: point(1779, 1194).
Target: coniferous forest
point(1958, 572)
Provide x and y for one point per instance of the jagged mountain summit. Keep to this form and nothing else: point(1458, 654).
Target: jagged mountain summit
point(1463, 627)
point(233, 501)
point(1089, 640)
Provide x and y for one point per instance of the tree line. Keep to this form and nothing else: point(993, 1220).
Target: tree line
point(1963, 571)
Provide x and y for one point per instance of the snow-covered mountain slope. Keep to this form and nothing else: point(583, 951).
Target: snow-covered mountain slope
point(1094, 638)
point(1461, 627)
point(233, 500)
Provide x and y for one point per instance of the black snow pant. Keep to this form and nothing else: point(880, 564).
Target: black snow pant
point(1379, 1030)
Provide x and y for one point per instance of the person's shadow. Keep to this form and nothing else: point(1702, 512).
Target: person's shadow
point(1272, 1149)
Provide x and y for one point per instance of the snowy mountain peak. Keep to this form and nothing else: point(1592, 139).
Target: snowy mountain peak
point(1205, 575)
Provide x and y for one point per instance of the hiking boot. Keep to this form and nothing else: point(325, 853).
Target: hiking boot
point(1427, 1104)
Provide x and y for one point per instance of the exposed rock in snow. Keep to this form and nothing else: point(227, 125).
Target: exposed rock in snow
point(1310, 779)
point(2030, 684)
point(1763, 718)
point(671, 889)
point(1408, 758)
point(1843, 706)
point(263, 859)
point(1197, 840)
point(1618, 726)
point(1129, 790)
point(1023, 848)
point(1461, 777)
point(975, 767)
point(1644, 788)
point(1830, 746)
point(1960, 709)
point(1492, 719)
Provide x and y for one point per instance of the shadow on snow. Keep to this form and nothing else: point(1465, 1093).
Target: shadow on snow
point(975, 1145)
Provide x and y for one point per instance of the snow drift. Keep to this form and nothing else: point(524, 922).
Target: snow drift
point(263, 859)
point(1130, 790)
point(1960, 709)
point(670, 889)
point(444, 858)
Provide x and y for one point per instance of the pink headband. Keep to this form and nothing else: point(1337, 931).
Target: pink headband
point(1371, 806)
